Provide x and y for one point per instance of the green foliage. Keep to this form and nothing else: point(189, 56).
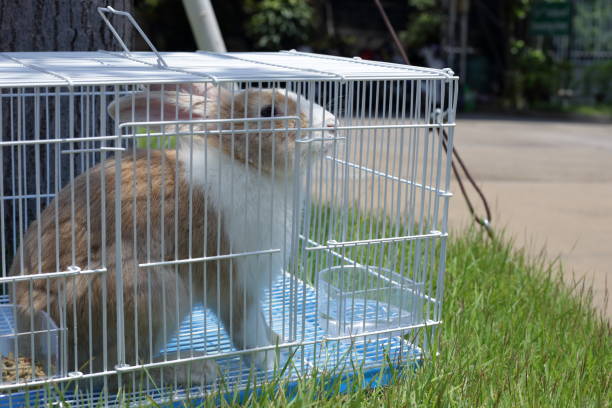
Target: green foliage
point(533, 76)
point(597, 81)
point(423, 25)
point(278, 24)
point(423, 29)
point(520, 9)
point(422, 5)
point(603, 111)
point(589, 29)
point(151, 3)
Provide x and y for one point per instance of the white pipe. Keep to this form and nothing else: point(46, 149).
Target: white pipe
point(204, 25)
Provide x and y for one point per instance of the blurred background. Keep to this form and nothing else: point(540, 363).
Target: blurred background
point(528, 56)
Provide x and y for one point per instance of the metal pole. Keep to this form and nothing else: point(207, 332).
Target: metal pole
point(400, 48)
point(204, 25)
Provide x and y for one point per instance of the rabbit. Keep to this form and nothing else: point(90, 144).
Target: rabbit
point(215, 194)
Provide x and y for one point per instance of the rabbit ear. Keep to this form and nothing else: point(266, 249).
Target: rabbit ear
point(155, 106)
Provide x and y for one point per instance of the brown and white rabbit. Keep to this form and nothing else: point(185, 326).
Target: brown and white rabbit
point(215, 194)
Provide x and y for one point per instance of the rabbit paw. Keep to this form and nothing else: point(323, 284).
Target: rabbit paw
point(197, 373)
point(194, 373)
point(264, 360)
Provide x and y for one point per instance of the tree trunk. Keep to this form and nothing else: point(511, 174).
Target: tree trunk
point(45, 25)
point(60, 25)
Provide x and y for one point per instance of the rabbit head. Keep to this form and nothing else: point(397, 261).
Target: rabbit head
point(265, 129)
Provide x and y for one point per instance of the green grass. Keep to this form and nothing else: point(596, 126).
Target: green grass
point(513, 335)
point(602, 111)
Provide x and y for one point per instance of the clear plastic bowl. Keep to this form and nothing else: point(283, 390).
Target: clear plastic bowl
point(359, 299)
point(39, 343)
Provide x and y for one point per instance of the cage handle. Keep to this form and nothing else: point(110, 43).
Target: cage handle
point(108, 9)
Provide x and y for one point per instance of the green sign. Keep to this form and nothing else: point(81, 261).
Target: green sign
point(551, 18)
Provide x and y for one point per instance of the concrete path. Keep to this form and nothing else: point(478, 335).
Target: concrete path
point(550, 184)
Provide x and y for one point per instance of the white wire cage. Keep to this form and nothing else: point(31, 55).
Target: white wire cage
point(275, 214)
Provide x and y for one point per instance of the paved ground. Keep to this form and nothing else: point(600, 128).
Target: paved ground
point(550, 183)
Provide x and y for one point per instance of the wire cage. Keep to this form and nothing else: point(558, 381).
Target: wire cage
point(175, 224)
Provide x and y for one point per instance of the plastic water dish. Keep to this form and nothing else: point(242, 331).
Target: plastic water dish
point(42, 338)
point(355, 299)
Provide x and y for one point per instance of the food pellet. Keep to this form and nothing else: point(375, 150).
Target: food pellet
point(21, 366)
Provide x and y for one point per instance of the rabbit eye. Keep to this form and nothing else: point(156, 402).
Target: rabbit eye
point(267, 111)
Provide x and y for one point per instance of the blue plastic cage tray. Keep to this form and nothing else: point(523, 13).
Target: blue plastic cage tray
point(292, 305)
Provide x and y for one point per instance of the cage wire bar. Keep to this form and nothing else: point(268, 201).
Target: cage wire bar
point(275, 214)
